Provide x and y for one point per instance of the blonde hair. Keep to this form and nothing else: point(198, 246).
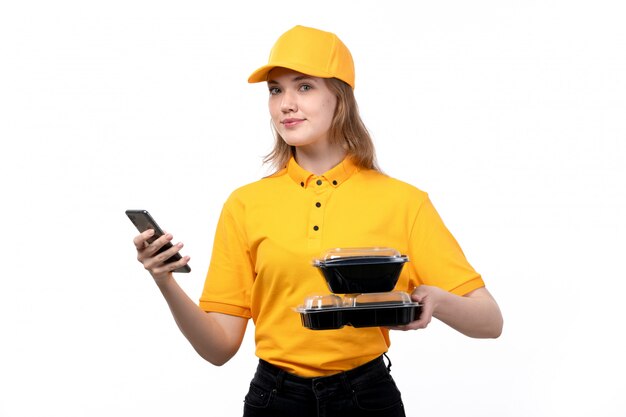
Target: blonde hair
point(347, 129)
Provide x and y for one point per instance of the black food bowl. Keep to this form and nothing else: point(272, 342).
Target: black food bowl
point(322, 312)
point(361, 270)
point(394, 309)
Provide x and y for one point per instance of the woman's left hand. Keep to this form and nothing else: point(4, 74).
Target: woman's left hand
point(429, 297)
point(476, 314)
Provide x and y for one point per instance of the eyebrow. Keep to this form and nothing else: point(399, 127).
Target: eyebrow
point(295, 79)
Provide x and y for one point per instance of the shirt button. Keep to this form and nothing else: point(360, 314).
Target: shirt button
point(319, 182)
point(316, 228)
point(318, 204)
point(334, 182)
point(302, 184)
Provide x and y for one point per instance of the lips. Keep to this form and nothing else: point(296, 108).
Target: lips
point(291, 122)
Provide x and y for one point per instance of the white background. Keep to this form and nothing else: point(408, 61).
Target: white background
point(510, 114)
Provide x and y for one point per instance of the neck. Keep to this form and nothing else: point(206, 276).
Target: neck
point(318, 161)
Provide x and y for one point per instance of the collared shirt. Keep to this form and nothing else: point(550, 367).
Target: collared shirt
point(270, 231)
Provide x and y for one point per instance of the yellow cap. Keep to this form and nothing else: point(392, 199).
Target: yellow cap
point(311, 52)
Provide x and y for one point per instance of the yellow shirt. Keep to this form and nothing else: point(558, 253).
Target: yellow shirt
point(270, 231)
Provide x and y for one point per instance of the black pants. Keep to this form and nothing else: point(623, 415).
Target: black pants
point(367, 391)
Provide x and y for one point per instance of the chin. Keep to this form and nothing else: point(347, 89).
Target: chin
point(296, 142)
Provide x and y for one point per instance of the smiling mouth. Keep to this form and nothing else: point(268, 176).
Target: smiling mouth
point(291, 122)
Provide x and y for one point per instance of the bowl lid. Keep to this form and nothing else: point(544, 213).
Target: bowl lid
point(317, 301)
point(378, 298)
point(338, 256)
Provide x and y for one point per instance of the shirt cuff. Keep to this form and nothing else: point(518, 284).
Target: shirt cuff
point(468, 286)
point(230, 309)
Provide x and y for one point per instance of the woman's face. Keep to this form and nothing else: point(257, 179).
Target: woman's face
point(302, 108)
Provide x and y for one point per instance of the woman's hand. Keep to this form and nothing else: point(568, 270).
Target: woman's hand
point(475, 314)
point(153, 262)
point(428, 296)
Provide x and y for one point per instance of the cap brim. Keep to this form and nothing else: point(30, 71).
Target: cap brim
point(261, 74)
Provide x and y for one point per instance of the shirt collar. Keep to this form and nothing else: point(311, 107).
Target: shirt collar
point(335, 176)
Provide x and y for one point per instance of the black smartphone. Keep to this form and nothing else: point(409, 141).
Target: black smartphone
point(144, 221)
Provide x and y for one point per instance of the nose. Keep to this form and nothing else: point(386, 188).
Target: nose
point(288, 103)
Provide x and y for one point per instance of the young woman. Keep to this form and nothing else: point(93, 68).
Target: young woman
point(326, 193)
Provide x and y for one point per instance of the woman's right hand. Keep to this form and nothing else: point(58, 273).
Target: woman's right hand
point(153, 262)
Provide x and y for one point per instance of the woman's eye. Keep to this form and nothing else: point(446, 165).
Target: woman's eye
point(305, 87)
point(274, 91)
